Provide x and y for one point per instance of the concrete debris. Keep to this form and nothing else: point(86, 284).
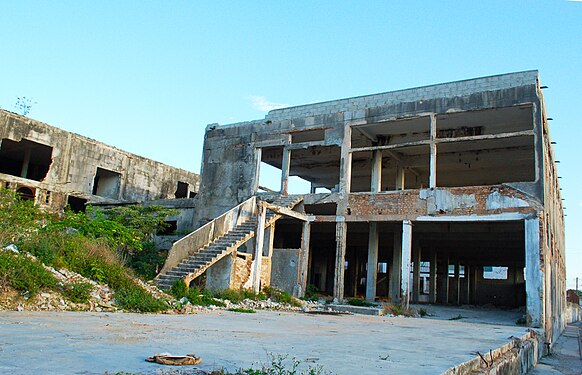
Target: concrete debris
point(12, 247)
point(175, 360)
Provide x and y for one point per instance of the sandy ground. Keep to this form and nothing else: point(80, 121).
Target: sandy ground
point(95, 343)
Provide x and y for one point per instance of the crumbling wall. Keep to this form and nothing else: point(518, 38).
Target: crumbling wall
point(75, 160)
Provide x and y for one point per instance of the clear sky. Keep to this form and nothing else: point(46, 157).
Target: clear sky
point(148, 76)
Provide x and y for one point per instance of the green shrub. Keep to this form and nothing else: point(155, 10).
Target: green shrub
point(237, 296)
point(147, 262)
point(311, 293)
point(281, 296)
point(202, 298)
point(25, 274)
point(78, 292)
point(359, 302)
point(179, 289)
point(134, 298)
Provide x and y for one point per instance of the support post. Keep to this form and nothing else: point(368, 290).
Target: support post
point(433, 152)
point(304, 267)
point(443, 279)
point(399, 177)
point(376, 171)
point(416, 258)
point(457, 282)
point(25, 162)
point(395, 267)
point(285, 163)
point(432, 295)
point(372, 274)
point(340, 258)
point(468, 270)
point(534, 276)
point(258, 258)
point(406, 255)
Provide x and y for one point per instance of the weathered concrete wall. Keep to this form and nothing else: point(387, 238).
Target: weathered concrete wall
point(284, 269)
point(75, 160)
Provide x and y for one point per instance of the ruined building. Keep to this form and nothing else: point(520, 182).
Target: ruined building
point(56, 168)
point(445, 194)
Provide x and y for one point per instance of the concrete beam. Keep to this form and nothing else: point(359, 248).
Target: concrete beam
point(286, 211)
point(372, 273)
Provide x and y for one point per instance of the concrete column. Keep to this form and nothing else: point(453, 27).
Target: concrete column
point(457, 282)
point(268, 242)
point(304, 266)
point(534, 276)
point(406, 255)
point(416, 258)
point(341, 229)
point(372, 274)
point(399, 177)
point(376, 171)
point(258, 256)
point(433, 152)
point(25, 162)
point(467, 291)
point(394, 287)
point(473, 283)
point(432, 295)
point(285, 163)
point(443, 279)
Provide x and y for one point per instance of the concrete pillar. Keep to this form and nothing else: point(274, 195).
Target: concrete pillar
point(304, 266)
point(394, 287)
point(372, 274)
point(457, 282)
point(467, 290)
point(534, 276)
point(475, 270)
point(433, 152)
point(399, 177)
point(268, 241)
point(285, 163)
point(258, 256)
point(443, 278)
point(341, 229)
point(406, 255)
point(376, 171)
point(432, 295)
point(25, 162)
point(416, 258)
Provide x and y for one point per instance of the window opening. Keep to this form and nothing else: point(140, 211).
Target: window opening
point(181, 190)
point(26, 159)
point(106, 183)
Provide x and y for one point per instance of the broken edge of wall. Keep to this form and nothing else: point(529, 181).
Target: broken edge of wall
point(516, 357)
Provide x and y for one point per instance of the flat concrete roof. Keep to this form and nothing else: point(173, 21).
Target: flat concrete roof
point(93, 343)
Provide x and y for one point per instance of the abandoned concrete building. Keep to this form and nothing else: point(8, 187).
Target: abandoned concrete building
point(446, 194)
point(56, 168)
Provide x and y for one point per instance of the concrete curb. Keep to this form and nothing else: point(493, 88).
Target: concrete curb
point(516, 357)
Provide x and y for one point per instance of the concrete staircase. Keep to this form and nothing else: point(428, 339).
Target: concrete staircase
point(200, 260)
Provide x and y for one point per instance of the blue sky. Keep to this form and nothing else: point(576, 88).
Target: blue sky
point(148, 76)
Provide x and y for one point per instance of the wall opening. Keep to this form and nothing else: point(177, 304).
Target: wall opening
point(76, 204)
point(106, 183)
point(181, 190)
point(26, 193)
point(26, 159)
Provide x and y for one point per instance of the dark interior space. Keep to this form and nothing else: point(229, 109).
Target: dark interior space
point(76, 204)
point(181, 190)
point(322, 247)
point(25, 159)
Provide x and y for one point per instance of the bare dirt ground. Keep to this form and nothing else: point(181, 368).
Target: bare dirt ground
point(96, 343)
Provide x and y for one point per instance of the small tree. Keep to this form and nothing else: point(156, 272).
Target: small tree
point(23, 105)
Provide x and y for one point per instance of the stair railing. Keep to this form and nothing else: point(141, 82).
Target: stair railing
point(195, 241)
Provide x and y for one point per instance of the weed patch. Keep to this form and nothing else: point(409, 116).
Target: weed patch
point(78, 292)
point(397, 309)
point(281, 296)
point(25, 274)
point(242, 310)
point(359, 302)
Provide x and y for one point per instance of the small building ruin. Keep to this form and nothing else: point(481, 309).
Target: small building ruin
point(446, 194)
point(56, 168)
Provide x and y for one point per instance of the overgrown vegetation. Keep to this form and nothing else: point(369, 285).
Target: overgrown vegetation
point(397, 309)
point(311, 293)
point(94, 244)
point(24, 274)
point(279, 365)
point(242, 310)
point(194, 295)
point(281, 296)
point(237, 296)
point(78, 292)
